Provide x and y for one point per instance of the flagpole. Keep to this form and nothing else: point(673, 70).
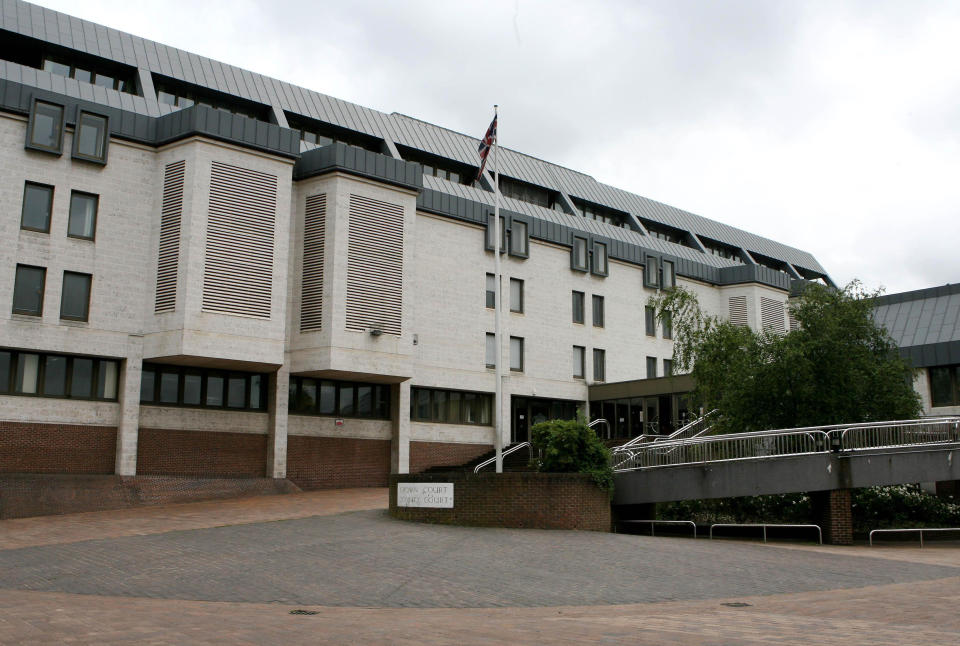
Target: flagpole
point(498, 439)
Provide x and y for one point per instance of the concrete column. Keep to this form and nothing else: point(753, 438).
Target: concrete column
point(278, 390)
point(128, 426)
point(400, 414)
point(834, 515)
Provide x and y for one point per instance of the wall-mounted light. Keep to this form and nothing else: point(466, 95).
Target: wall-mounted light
point(376, 331)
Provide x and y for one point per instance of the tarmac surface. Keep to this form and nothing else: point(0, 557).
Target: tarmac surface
point(332, 567)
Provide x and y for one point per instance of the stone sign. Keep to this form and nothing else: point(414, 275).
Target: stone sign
point(425, 494)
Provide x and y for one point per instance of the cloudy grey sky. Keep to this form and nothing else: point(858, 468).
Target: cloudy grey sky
point(829, 126)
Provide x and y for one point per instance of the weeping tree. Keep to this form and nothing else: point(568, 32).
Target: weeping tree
point(837, 367)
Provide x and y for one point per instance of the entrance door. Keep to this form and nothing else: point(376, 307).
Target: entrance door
point(666, 415)
point(521, 420)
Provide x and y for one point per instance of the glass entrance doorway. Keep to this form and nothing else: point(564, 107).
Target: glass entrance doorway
point(527, 411)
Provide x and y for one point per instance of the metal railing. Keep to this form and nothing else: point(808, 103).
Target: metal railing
point(765, 525)
point(920, 530)
point(791, 441)
point(694, 428)
point(622, 454)
point(504, 454)
point(653, 523)
point(603, 421)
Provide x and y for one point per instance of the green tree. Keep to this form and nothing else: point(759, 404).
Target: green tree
point(570, 446)
point(838, 367)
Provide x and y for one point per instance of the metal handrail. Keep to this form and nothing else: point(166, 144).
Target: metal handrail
point(600, 420)
point(680, 432)
point(921, 530)
point(764, 526)
point(795, 441)
point(512, 449)
point(665, 522)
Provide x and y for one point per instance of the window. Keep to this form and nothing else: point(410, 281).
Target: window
point(599, 259)
point(86, 72)
point(578, 255)
point(519, 241)
point(91, 137)
point(491, 352)
point(450, 406)
point(597, 311)
point(667, 321)
point(28, 290)
point(491, 291)
point(490, 239)
point(45, 129)
point(667, 368)
point(516, 354)
point(579, 353)
point(651, 272)
point(58, 375)
point(37, 205)
point(75, 297)
point(650, 320)
point(166, 385)
point(668, 279)
point(599, 364)
point(651, 367)
point(578, 307)
point(83, 215)
point(945, 386)
point(516, 295)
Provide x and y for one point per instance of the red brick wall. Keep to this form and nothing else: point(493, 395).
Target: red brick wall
point(835, 515)
point(525, 499)
point(201, 454)
point(56, 448)
point(424, 455)
point(337, 462)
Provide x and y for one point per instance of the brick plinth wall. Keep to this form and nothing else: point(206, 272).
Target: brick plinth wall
point(337, 462)
point(424, 455)
point(835, 515)
point(57, 448)
point(22, 496)
point(201, 454)
point(525, 499)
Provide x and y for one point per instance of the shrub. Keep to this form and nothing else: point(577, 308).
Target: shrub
point(570, 446)
point(901, 506)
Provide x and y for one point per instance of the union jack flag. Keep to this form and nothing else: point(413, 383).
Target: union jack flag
point(486, 144)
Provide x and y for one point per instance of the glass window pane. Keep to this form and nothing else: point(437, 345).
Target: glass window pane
point(192, 386)
point(669, 279)
point(516, 353)
point(421, 399)
point(599, 258)
point(667, 367)
point(147, 380)
point(599, 365)
point(328, 398)
point(104, 81)
point(56, 68)
point(307, 401)
point(82, 75)
point(577, 307)
point(454, 177)
point(580, 253)
point(37, 203)
point(651, 367)
point(256, 392)
point(364, 401)
point(166, 98)
point(578, 352)
point(237, 391)
point(5, 360)
point(516, 295)
point(47, 126)
point(81, 378)
point(650, 321)
point(28, 290)
point(491, 350)
point(83, 215)
point(453, 414)
point(470, 409)
point(486, 407)
point(597, 311)
point(381, 407)
point(941, 389)
point(28, 368)
point(169, 386)
point(439, 406)
point(309, 137)
point(667, 325)
point(346, 400)
point(92, 135)
point(184, 102)
point(491, 291)
point(55, 376)
point(107, 380)
point(75, 300)
point(292, 394)
point(518, 238)
point(214, 390)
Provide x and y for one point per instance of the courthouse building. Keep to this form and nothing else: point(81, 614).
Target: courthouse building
point(207, 272)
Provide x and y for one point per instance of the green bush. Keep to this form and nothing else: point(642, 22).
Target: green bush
point(570, 446)
point(777, 508)
point(901, 506)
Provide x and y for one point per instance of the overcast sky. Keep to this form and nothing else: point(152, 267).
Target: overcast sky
point(829, 126)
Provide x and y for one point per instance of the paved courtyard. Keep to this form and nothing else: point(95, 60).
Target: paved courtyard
point(332, 567)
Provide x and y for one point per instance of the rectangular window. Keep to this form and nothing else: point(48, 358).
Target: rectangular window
point(81, 378)
point(651, 272)
point(597, 311)
point(491, 351)
point(516, 295)
point(599, 364)
point(491, 239)
point(55, 375)
point(651, 367)
point(578, 255)
point(28, 290)
point(450, 406)
point(669, 278)
point(599, 259)
point(650, 319)
point(491, 291)
point(45, 129)
point(236, 391)
point(196, 387)
point(364, 401)
point(214, 391)
point(5, 365)
point(37, 206)
point(519, 242)
point(192, 388)
point(327, 397)
point(516, 354)
point(945, 386)
point(667, 368)
point(578, 307)
point(169, 385)
point(91, 137)
point(83, 215)
point(345, 395)
point(579, 352)
point(667, 321)
point(75, 298)
point(147, 383)
point(28, 371)
point(107, 373)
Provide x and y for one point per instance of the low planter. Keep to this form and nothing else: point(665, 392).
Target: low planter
point(519, 500)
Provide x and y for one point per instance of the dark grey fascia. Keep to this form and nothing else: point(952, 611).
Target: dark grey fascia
point(932, 354)
point(339, 156)
point(918, 294)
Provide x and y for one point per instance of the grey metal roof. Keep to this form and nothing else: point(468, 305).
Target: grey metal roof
point(67, 31)
point(925, 323)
